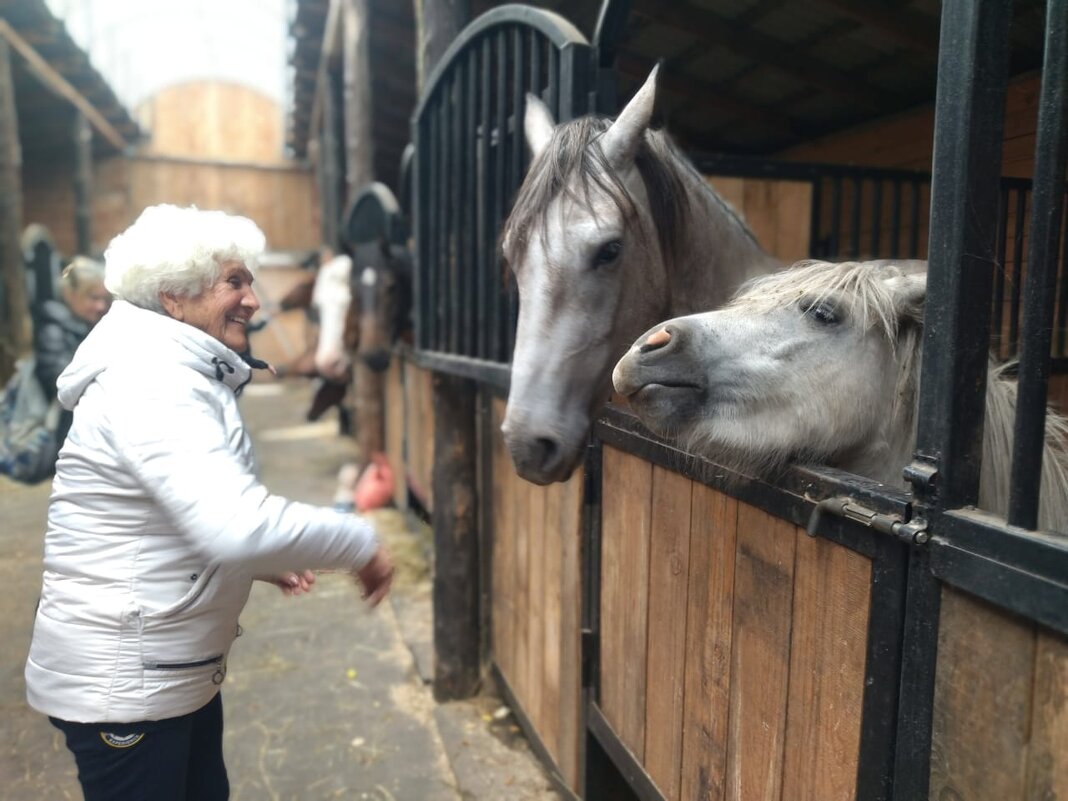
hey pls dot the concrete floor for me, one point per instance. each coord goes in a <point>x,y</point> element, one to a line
<point>324,699</point>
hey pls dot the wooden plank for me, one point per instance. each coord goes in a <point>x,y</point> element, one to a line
<point>571,587</point>
<point>982,705</point>
<point>395,427</point>
<point>1047,756</point>
<point>669,561</point>
<point>14,317</point>
<point>538,542</point>
<point>503,605</point>
<point>760,655</point>
<point>713,534</point>
<point>457,633</point>
<point>553,537</point>
<point>627,482</point>
<point>828,653</point>
<point>521,582</point>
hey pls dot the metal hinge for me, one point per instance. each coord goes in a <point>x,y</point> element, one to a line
<point>914,531</point>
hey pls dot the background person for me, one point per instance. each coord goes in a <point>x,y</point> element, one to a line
<point>157,523</point>
<point>59,326</point>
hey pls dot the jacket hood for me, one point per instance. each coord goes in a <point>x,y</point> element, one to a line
<point>128,333</point>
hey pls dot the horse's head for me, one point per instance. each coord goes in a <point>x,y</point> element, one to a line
<point>817,362</point>
<point>382,287</point>
<point>332,298</point>
<point>583,246</point>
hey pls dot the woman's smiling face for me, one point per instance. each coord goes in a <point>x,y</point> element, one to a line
<point>223,309</point>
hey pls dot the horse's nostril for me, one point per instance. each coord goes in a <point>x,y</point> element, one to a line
<point>547,450</point>
<point>656,340</point>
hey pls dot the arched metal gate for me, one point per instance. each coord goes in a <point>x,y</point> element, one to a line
<point>865,661</point>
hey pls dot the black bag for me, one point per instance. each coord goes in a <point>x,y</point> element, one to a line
<point>28,423</point>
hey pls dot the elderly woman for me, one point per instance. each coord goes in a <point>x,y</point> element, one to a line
<point>60,326</point>
<point>157,523</point>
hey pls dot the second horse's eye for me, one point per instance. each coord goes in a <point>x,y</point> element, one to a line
<point>823,312</point>
<point>608,253</point>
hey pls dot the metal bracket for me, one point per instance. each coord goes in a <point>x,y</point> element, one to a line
<point>913,532</point>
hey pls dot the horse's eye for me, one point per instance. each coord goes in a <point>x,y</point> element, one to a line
<point>824,313</point>
<point>608,253</point>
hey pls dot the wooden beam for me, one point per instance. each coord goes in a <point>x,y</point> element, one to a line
<point>357,106</point>
<point>14,315</point>
<point>330,40</point>
<point>58,84</point>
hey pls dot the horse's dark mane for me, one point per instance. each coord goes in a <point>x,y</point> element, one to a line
<point>575,150</point>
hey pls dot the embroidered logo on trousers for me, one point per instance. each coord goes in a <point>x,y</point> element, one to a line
<point>121,740</point>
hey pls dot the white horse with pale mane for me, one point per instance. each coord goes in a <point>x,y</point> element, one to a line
<point>819,364</point>
<point>612,230</point>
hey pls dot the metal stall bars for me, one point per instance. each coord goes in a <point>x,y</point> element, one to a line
<point>470,159</point>
<point>985,650</point>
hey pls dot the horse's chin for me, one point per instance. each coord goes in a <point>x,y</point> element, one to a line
<point>666,409</point>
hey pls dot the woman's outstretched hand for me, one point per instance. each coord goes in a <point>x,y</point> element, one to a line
<point>293,583</point>
<point>376,576</point>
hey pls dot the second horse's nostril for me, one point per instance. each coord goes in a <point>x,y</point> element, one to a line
<point>656,340</point>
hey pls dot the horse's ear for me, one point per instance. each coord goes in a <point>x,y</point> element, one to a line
<point>620,141</point>
<point>538,125</point>
<point>910,292</point>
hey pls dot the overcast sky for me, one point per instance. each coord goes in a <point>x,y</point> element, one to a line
<point>142,46</point>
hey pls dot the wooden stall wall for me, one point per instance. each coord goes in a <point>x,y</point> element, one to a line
<point>1001,705</point>
<point>733,645</point>
<point>537,602</point>
<point>419,408</point>
<point>779,213</point>
<point>395,417</point>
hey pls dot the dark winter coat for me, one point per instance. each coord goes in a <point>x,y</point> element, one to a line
<point>57,333</point>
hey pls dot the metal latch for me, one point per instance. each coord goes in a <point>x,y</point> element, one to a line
<point>913,532</point>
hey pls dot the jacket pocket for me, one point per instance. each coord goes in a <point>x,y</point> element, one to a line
<point>176,668</point>
<point>187,600</point>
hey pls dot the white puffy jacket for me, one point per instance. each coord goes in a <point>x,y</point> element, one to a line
<point>157,524</point>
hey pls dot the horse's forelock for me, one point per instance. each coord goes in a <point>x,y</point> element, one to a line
<point>575,152</point>
<point>873,302</point>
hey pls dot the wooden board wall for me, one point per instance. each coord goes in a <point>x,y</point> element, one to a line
<point>280,200</point>
<point>777,212</point>
<point>419,408</point>
<point>537,600</point>
<point>214,120</point>
<point>1001,706</point>
<point>733,645</point>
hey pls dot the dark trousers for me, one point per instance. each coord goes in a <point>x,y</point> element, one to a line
<point>177,759</point>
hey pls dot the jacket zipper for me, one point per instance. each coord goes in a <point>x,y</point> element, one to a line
<point>182,665</point>
<point>216,678</point>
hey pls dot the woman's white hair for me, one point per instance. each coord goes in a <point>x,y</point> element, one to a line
<point>177,251</point>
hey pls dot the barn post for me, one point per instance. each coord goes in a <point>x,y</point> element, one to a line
<point>328,169</point>
<point>356,71</point>
<point>13,311</point>
<point>457,636</point>
<point>83,175</point>
<point>368,385</point>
